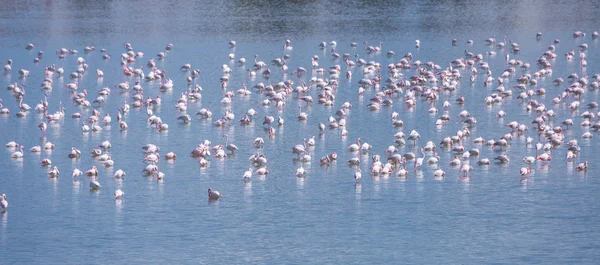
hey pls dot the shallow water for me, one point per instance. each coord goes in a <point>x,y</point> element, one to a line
<point>325,217</point>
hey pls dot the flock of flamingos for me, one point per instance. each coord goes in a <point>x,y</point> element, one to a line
<point>408,80</point>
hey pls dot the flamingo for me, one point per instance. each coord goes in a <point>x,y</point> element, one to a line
<point>107,119</point>
<point>439,173</point>
<point>213,194</point>
<point>302,116</point>
<point>105,145</point>
<point>354,147</point>
<point>582,166</point>
<point>75,153</point>
<point>76,173</point>
<point>465,169</point>
<point>434,159</point>
<point>54,172</point>
<point>544,157</point>
<point>402,172</point>
<point>119,174</point>
<point>301,172</point>
<point>262,171</point>
<point>528,159</point>
<point>46,162</point>
<point>36,149</point>
<point>248,174</point>
<point>258,142</point>
<point>92,171</point>
<point>95,185</point>
<point>268,120</point>
<point>358,175</point>
<point>230,147</point>
<point>483,162</point>
<point>300,148</point>
<point>502,159</point>
<point>419,160</point>
<point>3,202</point>
<point>119,194</point>
<point>18,154</point>
<point>414,136</point>
<point>365,147</point>
<point>170,156</point>
<point>152,158</point>
<point>43,126</point>
<point>455,162</point>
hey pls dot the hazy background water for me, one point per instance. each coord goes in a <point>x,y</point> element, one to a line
<point>325,217</point>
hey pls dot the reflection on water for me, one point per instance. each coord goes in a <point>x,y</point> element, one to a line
<point>119,203</point>
<point>248,188</point>
<point>300,182</point>
<point>4,224</point>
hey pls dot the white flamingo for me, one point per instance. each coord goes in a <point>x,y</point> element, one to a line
<point>119,194</point>
<point>77,172</point>
<point>213,194</point>
<point>94,184</point>
<point>248,174</point>
<point>3,202</point>
<point>357,175</point>
<point>419,160</point>
<point>18,154</point>
<point>354,147</point>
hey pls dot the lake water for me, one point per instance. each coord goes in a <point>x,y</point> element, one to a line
<point>324,217</point>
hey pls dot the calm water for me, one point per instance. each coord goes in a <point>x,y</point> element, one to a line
<point>324,217</point>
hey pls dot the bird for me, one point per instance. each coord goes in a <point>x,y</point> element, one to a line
<point>213,194</point>
<point>3,202</point>
<point>76,172</point>
<point>49,145</point>
<point>455,162</point>
<point>414,136</point>
<point>185,118</point>
<point>18,154</point>
<point>582,166</point>
<point>419,160</point>
<point>248,174</point>
<point>94,184</point>
<point>107,119</point>
<point>46,162</point>
<point>502,159</point>
<point>483,161</point>
<point>119,174</point>
<point>262,171</point>
<point>402,172</point>
<point>357,175</point>
<point>528,159</point>
<point>354,147</point>
<point>439,173</point>
<point>544,157</point>
<point>301,172</point>
<point>92,171</point>
<point>466,168</point>
<point>170,156</point>
<point>231,147</point>
<point>105,145</point>
<point>75,153</point>
<point>119,194</point>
